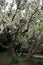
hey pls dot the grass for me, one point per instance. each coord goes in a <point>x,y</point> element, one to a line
<point>3,55</point>
<point>5,59</point>
<point>37,61</point>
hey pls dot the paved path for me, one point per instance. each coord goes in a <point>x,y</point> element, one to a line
<point>38,56</point>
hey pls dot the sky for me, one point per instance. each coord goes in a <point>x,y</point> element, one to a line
<point>10,1</point>
<point>15,6</point>
<point>14,0</point>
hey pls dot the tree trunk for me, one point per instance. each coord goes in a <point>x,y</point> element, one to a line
<point>13,53</point>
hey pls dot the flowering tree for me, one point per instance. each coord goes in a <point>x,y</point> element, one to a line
<point>18,27</point>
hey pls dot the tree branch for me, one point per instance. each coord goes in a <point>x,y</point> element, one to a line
<point>29,21</point>
<point>4,46</point>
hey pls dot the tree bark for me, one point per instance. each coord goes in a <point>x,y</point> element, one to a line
<point>13,53</point>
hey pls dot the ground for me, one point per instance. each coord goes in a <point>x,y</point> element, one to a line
<point>6,59</point>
